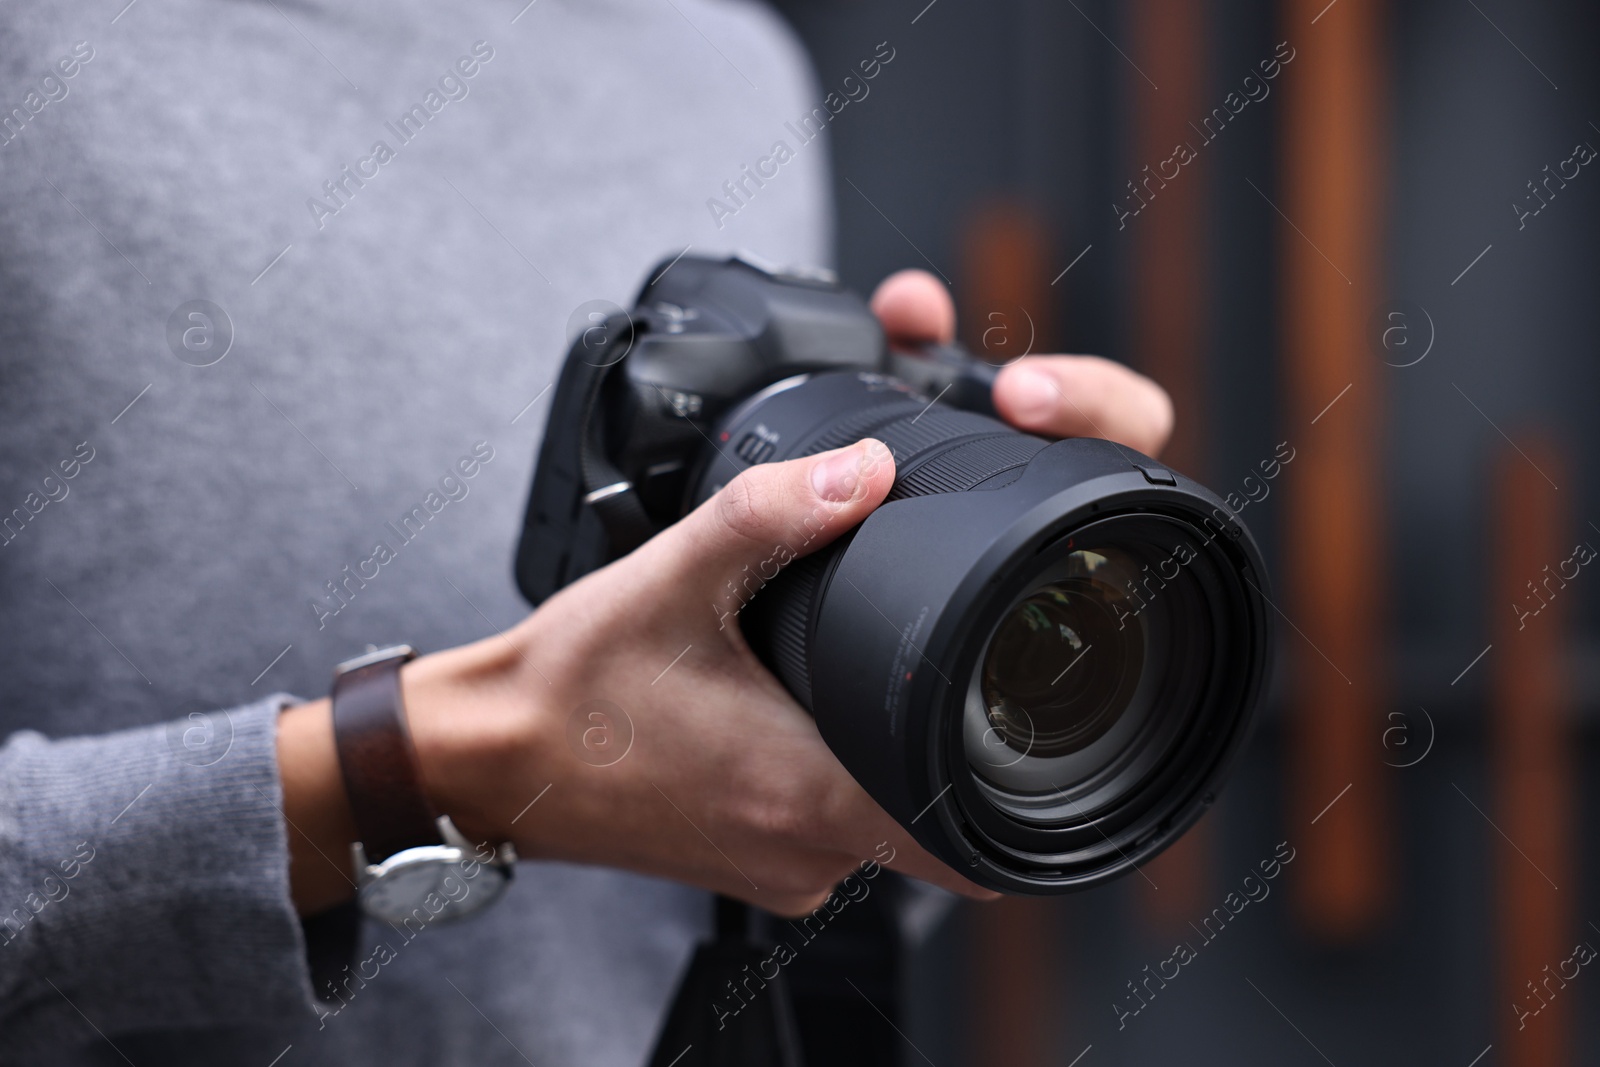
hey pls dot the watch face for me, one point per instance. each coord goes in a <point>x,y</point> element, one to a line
<point>422,886</point>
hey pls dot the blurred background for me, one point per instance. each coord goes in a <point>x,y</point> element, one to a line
<point>1377,255</point>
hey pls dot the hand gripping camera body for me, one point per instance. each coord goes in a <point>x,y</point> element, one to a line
<point>1039,657</point>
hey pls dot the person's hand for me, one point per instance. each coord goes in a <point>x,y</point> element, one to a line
<point>725,784</point>
<point>1056,396</point>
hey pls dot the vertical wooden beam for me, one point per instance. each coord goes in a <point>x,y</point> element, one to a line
<point>1167,325</point>
<point>1331,241</point>
<point>1016,998</point>
<point>1006,304</point>
<point>1018,1008</point>
<point>1536,924</point>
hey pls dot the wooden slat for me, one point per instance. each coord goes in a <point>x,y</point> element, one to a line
<point>1015,992</point>
<point>1167,326</point>
<point>1007,307</point>
<point>1331,241</point>
<point>1017,1009</point>
<point>1536,924</point>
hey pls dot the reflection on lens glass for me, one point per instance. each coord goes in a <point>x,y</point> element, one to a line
<point>1064,663</point>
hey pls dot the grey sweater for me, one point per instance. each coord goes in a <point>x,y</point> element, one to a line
<point>396,206</point>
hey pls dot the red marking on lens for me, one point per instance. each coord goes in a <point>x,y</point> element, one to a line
<point>908,676</point>
<point>724,435</point>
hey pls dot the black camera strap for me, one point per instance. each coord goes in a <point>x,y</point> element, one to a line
<point>613,498</point>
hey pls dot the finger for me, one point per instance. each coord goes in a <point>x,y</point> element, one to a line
<point>912,859</point>
<point>876,835</point>
<point>1085,396</point>
<point>915,308</point>
<point>773,513</point>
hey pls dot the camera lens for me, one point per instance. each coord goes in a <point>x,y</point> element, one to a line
<point>1039,657</point>
<point>1033,700</point>
<point>1081,674</point>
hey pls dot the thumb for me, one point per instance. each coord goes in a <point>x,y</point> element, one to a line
<point>773,513</point>
<point>915,308</point>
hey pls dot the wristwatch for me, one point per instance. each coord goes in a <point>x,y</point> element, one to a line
<point>411,864</point>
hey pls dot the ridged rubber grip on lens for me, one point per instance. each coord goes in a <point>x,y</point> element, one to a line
<point>960,468</point>
<point>776,623</point>
<point>856,425</point>
<point>908,429</point>
<point>936,450</point>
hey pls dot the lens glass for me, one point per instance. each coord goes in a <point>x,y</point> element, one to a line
<point>1034,696</point>
<point>1076,675</point>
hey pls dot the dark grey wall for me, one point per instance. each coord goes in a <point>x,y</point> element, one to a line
<point>1025,98</point>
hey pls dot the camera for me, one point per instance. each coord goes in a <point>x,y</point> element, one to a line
<point>1040,657</point>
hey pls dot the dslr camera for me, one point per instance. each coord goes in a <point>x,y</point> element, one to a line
<point>1040,657</point>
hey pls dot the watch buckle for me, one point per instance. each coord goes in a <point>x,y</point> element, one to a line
<point>358,859</point>
<point>505,852</point>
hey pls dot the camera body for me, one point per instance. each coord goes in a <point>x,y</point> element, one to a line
<point>642,390</point>
<point>1039,657</point>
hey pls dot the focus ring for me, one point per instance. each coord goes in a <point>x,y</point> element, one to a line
<point>960,468</point>
<point>971,448</point>
<point>936,450</point>
<point>778,622</point>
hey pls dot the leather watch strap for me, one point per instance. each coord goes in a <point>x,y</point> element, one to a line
<point>376,756</point>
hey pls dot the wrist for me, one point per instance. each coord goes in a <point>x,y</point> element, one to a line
<point>317,813</point>
<point>476,726</point>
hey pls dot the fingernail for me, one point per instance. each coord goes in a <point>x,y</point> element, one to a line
<point>835,478</point>
<point>1034,394</point>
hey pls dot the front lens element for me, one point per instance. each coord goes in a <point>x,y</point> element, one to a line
<point>1042,693</point>
<point>1090,672</point>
